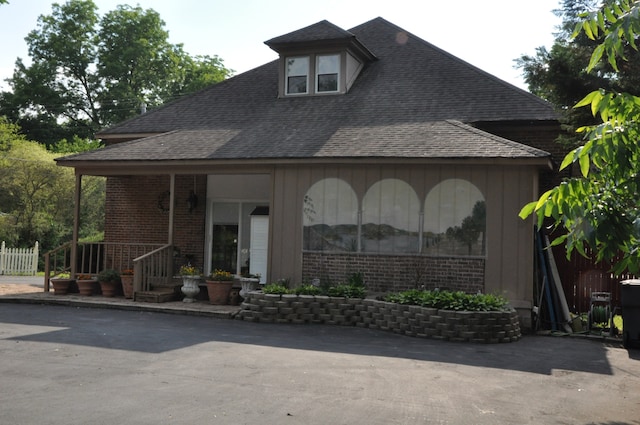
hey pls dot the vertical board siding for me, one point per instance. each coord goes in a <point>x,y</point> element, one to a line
<point>508,266</point>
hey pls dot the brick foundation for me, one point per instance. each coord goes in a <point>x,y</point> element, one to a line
<point>395,273</point>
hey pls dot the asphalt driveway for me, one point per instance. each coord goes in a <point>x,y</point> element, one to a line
<point>65,365</point>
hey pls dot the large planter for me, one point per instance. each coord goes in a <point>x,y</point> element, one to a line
<point>127,285</point>
<point>86,287</point>
<point>190,288</point>
<point>109,288</point>
<point>219,291</point>
<point>248,284</point>
<point>61,285</point>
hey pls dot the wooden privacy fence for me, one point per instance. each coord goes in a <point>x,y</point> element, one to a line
<point>18,261</point>
<point>582,276</point>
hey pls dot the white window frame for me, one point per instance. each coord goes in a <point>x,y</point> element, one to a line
<point>286,76</point>
<point>337,73</point>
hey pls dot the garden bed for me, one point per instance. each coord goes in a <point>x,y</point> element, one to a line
<point>411,320</point>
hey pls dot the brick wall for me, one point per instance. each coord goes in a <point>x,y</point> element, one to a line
<point>397,272</point>
<point>136,211</point>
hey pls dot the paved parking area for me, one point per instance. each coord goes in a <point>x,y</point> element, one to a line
<point>63,364</point>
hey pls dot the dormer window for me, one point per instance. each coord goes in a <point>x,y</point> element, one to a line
<point>328,73</point>
<point>297,75</point>
<point>321,59</point>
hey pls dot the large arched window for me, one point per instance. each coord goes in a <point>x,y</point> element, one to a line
<point>454,219</point>
<point>330,217</point>
<point>390,218</point>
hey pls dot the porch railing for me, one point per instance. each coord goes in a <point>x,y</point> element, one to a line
<point>93,258</point>
<point>153,268</point>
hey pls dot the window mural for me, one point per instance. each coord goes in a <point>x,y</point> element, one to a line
<point>330,217</point>
<point>390,218</point>
<point>454,219</point>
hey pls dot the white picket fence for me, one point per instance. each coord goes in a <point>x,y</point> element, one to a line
<point>18,261</point>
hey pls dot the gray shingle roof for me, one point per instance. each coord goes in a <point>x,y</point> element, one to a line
<point>434,139</point>
<point>320,31</point>
<point>400,106</point>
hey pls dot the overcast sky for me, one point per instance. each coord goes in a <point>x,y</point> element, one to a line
<point>489,34</point>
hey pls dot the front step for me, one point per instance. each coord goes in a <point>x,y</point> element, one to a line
<point>155,296</point>
<point>160,293</point>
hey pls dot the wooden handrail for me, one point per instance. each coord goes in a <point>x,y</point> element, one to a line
<point>94,257</point>
<point>51,266</point>
<point>155,267</point>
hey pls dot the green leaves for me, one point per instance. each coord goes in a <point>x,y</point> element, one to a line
<point>88,72</point>
<point>449,300</point>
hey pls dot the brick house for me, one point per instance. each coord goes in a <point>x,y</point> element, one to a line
<point>368,150</point>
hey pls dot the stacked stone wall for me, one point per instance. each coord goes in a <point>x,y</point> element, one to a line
<point>417,321</point>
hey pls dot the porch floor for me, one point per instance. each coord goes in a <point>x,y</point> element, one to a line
<point>198,308</point>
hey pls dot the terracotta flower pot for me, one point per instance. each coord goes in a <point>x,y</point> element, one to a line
<point>61,285</point>
<point>109,288</point>
<point>86,287</point>
<point>127,285</point>
<point>219,291</point>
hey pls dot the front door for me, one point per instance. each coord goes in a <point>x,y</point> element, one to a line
<point>231,237</point>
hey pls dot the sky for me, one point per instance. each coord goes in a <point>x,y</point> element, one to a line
<point>489,34</point>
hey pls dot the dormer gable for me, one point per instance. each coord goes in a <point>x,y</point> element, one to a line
<point>321,59</point>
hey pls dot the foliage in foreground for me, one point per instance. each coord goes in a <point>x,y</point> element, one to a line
<point>599,211</point>
<point>37,197</point>
<point>448,300</point>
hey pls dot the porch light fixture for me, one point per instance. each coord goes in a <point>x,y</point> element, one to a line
<point>192,201</point>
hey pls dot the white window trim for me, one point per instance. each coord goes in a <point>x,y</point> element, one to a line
<point>317,74</point>
<point>286,75</point>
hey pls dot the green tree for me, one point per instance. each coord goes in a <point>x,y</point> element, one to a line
<point>36,196</point>
<point>559,75</point>
<point>88,72</point>
<point>600,209</point>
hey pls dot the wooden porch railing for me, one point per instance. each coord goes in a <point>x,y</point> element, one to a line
<point>152,268</point>
<point>93,258</point>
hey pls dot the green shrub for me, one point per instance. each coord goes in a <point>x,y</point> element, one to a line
<point>307,290</point>
<point>448,300</point>
<point>340,290</point>
<point>346,290</point>
<point>275,288</point>
<point>109,275</point>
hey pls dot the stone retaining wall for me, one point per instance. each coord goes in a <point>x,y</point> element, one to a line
<point>481,327</point>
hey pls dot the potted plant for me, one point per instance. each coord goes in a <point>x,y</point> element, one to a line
<point>86,284</point>
<point>61,283</point>
<point>219,286</point>
<point>109,280</point>
<point>126,277</point>
<point>190,279</point>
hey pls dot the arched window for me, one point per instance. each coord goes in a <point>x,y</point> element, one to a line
<point>390,218</point>
<point>330,217</point>
<point>454,219</point>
